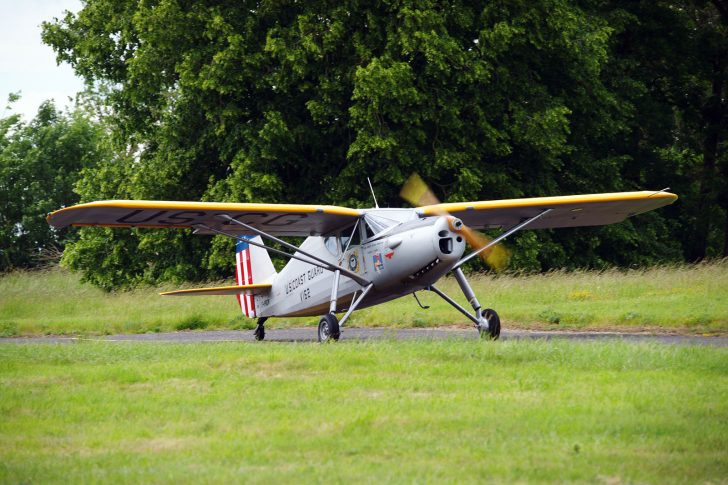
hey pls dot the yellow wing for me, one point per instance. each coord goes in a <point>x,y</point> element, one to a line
<point>276,219</point>
<point>567,211</point>
<point>255,289</point>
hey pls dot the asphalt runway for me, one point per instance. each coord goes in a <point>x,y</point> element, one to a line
<point>359,334</point>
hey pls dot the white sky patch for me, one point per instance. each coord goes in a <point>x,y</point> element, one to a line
<point>26,64</point>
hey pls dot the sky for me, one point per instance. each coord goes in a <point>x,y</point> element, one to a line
<point>26,64</point>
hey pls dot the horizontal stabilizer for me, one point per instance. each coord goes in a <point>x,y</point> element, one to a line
<point>255,289</point>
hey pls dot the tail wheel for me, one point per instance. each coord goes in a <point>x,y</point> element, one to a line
<point>328,328</point>
<point>492,330</point>
<point>260,329</point>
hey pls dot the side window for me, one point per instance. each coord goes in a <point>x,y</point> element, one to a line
<point>345,236</point>
<point>332,245</point>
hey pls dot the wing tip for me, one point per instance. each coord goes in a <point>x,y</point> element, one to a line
<point>664,198</point>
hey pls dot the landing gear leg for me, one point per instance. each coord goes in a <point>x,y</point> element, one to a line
<point>328,328</point>
<point>486,321</point>
<point>260,329</point>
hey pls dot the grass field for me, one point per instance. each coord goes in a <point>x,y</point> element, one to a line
<point>686,299</point>
<point>378,412</point>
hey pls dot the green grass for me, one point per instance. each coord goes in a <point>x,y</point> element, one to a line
<point>377,412</point>
<point>687,299</point>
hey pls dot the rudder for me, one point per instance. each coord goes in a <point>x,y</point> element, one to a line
<point>252,265</point>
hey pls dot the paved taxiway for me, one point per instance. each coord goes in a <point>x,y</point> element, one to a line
<point>353,334</point>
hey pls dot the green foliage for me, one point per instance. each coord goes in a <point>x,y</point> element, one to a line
<point>550,316</point>
<point>192,322</point>
<point>298,102</point>
<point>669,68</point>
<point>40,162</point>
<point>8,329</point>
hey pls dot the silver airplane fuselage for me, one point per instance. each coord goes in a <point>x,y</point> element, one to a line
<point>408,254</point>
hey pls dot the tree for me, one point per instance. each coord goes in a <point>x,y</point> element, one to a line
<point>299,101</point>
<point>671,59</point>
<point>40,162</point>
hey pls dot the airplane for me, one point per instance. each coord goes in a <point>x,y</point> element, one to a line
<point>356,258</point>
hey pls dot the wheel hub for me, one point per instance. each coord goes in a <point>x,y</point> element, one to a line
<point>328,328</point>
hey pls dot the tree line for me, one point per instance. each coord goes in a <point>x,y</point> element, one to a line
<point>252,101</point>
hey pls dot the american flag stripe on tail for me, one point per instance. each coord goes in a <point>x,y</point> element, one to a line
<point>244,276</point>
<point>249,281</point>
<point>239,278</point>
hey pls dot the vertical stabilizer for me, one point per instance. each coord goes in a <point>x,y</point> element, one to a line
<point>252,265</point>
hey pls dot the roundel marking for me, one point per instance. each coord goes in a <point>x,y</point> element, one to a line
<point>353,262</point>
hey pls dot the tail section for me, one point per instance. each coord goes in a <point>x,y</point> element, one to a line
<point>253,265</point>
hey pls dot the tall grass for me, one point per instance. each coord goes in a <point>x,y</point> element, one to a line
<point>55,302</point>
<point>686,298</point>
<point>689,298</point>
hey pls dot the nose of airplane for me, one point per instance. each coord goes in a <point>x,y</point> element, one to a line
<point>449,244</point>
<point>455,224</point>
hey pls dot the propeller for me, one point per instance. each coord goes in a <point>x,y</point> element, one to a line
<point>418,193</point>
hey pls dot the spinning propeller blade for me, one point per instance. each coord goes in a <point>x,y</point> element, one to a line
<point>418,193</point>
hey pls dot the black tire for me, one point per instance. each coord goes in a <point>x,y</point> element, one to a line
<point>494,326</point>
<point>328,328</point>
<point>259,332</point>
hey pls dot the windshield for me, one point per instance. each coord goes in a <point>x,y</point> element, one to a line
<point>332,245</point>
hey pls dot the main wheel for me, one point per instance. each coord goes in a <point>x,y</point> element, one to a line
<point>259,332</point>
<point>328,328</point>
<point>492,331</point>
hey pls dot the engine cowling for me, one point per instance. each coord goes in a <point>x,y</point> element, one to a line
<point>417,254</point>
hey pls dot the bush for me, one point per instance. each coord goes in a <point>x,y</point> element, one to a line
<point>8,329</point>
<point>194,322</point>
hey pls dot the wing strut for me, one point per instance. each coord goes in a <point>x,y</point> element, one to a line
<point>495,241</point>
<point>321,263</point>
<point>452,302</point>
<point>354,304</point>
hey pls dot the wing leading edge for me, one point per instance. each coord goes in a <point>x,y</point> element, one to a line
<point>276,219</point>
<point>567,211</point>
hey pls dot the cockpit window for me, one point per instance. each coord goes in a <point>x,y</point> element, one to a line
<point>370,233</point>
<point>346,234</point>
<point>376,224</point>
<point>332,245</point>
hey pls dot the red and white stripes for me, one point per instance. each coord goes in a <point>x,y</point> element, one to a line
<point>244,276</point>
